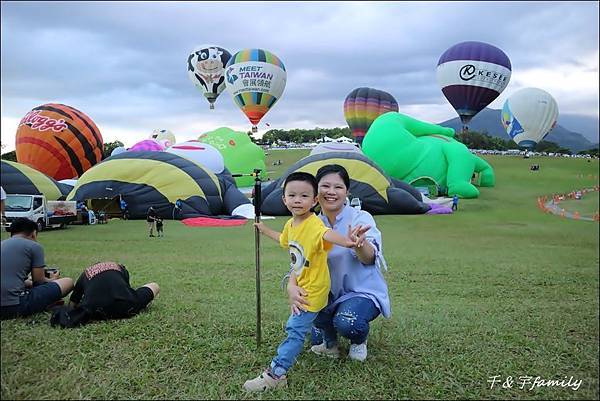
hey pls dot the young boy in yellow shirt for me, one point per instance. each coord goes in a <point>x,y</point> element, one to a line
<point>308,241</point>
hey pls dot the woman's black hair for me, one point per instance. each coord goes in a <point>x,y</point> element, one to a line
<point>334,169</point>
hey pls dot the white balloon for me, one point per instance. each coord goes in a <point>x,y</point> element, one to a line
<point>528,116</point>
<point>117,150</point>
<point>164,136</point>
<point>200,153</point>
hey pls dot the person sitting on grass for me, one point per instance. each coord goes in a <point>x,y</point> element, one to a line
<point>308,241</point>
<point>103,292</point>
<point>22,255</point>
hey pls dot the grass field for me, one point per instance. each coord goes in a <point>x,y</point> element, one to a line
<point>497,289</point>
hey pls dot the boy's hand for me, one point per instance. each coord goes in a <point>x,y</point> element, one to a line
<point>260,226</point>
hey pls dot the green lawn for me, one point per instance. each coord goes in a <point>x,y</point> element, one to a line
<point>498,288</point>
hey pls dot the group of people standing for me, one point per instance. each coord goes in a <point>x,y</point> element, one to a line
<point>154,221</point>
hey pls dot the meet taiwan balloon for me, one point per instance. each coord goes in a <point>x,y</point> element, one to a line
<point>528,116</point>
<point>256,79</point>
<point>58,140</point>
<point>471,75</point>
<point>362,106</point>
<point>206,65</point>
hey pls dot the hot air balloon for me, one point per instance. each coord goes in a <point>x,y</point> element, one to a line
<point>256,79</point>
<point>472,75</point>
<point>147,145</point>
<point>164,136</point>
<point>362,106</point>
<point>205,66</point>
<point>528,116</point>
<point>58,140</point>
<point>200,153</point>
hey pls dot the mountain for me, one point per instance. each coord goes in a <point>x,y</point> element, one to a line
<point>488,121</point>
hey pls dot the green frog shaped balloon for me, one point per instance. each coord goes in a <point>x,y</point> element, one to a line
<point>419,152</point>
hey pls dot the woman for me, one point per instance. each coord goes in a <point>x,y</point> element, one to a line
<point>359,292</point>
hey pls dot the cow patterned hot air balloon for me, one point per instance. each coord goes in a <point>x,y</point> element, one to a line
<point>471,75</point>
<point>206,67</point>
<point>58,140</point>
<point>363,106</point>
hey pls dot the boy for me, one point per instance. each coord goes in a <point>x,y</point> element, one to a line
<point>159,227</point>
<point>308,241</point>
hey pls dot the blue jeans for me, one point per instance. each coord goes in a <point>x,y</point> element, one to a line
<point>350,319</point>
<point>297,327</point>
<point>34,300</point>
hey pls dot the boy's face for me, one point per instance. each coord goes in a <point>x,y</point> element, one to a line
<point>299,197</point>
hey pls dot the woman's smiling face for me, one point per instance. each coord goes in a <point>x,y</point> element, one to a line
<point>332,193</point>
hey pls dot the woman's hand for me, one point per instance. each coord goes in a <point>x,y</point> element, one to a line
<point>297,298</point>
<point>358,234</point>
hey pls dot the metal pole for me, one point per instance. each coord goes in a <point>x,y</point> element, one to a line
<point>257,202</point>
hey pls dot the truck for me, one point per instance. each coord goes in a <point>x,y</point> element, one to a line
<point>44,213</point>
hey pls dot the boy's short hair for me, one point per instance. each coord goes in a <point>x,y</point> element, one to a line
<point>301,176</point>
<point>22,225</point>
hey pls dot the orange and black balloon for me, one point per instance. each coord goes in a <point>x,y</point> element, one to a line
<point>58,140</point>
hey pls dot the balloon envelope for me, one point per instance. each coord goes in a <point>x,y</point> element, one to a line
<point>147,145</point>
<point>206,65</point>
<point>363,105</point>
<point>117,150</point>
<point>58,140</point>
<point>164,136</point>
<point>256,79</point>
<point>528,116</point>
<point>471,75</point>
<point>200,153</point>
<point>240,154</point>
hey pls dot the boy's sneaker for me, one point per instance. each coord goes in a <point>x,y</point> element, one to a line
<point>358,352</point>
<point>265,382</point>
<point>321,349</point>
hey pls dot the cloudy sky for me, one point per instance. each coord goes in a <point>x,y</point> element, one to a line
<point>124,63</point>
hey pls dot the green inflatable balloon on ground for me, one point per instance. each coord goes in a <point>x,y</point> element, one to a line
<point>240,154</point>
<point>421,153</point>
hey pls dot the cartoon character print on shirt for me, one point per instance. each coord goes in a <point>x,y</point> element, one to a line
<point>298,260</point>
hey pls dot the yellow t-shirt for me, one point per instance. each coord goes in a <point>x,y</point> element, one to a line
<point>308,252</point>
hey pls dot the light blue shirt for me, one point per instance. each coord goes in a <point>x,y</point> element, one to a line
<point>349,277</point>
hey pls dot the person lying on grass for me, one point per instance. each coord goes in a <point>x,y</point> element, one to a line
<point>308,241</point>
<point>103,292</point>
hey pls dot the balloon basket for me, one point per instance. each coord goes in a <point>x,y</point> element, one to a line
<point>254,129</point>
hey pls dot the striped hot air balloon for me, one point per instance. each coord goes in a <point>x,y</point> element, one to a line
<point>58,140</point>
<point>162,180</point>
<point>363,105</point>
<point>471,75</point>
<point>21,179</point>
<point>256,79</point>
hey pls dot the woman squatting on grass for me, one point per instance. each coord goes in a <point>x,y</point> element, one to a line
<point>308,241</point>
<point>359,292</point>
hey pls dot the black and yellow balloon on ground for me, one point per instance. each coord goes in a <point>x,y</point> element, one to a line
<point>378,193</point>
<point>162,180</point>
<point>18,178</point>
